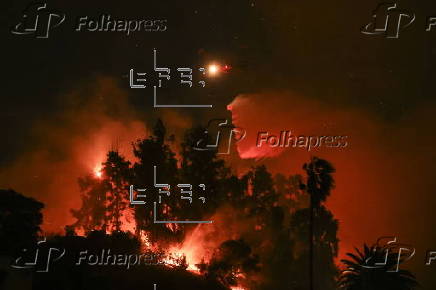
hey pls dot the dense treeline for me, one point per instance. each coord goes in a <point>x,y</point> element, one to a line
<point>282,234</point>
<point>273,252</point>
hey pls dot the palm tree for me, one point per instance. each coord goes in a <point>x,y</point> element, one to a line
<point>364,271</point>
<point>320,180</point>
<point>319,184</point>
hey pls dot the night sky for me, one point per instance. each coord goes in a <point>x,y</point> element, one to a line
<point>296,65</point>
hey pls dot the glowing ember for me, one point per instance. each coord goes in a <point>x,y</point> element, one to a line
<point>145,239</point>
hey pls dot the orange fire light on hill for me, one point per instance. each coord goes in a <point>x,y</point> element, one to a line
<point>177,253</point>
<point>97,171</point>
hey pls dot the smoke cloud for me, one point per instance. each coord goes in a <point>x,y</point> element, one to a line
<point>384,176</point>
<point>96,118</point>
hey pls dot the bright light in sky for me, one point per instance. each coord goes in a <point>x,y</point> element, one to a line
<point>213,69</point>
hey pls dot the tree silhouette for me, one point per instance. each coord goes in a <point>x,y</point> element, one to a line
<point>262,189</point>
<point>232,259</point>
<point>20,220</point>
<point>261,197</point>
<point>290,192</point>
<point>319,225</point>
<point>362,272</point>
<point>92,213</point>
<point>319,180</point>
<point>202,167</point>
<point>150,152</point>
<point>276,211</point>
<point>103,199</point>
<point>117,178</point>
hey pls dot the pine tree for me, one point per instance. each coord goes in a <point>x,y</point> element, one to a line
<point>150,152</point>
<point>117,178</point>
<point>92,213</point>
<point>202,167</point>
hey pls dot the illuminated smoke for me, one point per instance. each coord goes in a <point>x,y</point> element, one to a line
<point>73,144</point>
<point>378,175</point>
<point>200,244</point>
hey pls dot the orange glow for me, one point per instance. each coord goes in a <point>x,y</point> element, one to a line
<point>145,239</point>
<point>196,248</point>
<point>97,172</point>
<point>128,223</point>
<point>176,253</point>
<point>213,69</point>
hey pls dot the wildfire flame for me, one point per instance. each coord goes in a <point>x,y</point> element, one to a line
<point>97,172</point>
<point>177,253</point>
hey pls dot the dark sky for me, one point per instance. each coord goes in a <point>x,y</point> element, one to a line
<point>312,49</point>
